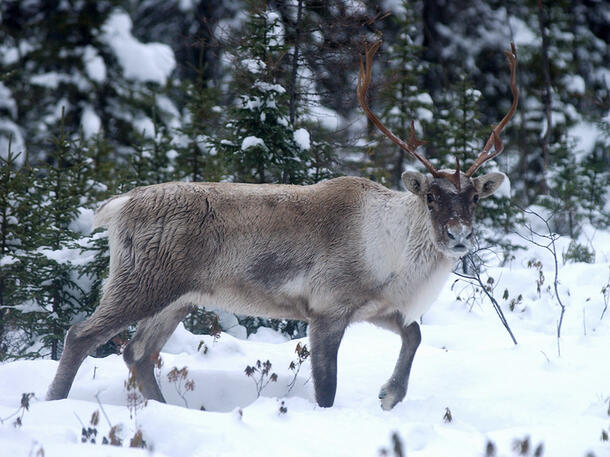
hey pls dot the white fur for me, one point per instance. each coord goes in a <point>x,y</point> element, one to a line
<point>401,254</point>
<point>109,210</point>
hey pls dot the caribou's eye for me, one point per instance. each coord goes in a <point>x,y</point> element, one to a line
<point>429,198</point>
<point>475,199</point>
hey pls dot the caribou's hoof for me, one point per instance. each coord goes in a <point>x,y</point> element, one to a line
<point>390,395</point>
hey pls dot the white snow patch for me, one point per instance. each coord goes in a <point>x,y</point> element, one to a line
<point>185,5</point>
<point>254,65</point>
<point>50,80</point>
<point>11,135</point>
<point>276,32</point>
<point>574,84</point>
<point>301,137</point>
<point>145,126</point>
<point>7,101</point>
<point>326,117</point>
<point>252,141</point>
<point>268,87</point>
<point>83,222</point>
<point>522,33</point>
<point>8,260</point>
<point>94,65</point>
<point>586,134</point>
<point>90,122</point>
<point>146,62</point>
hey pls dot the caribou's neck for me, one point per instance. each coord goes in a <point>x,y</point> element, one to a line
<point>397,235</point>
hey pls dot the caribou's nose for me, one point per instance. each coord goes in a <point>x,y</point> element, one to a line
<point>460,236</point>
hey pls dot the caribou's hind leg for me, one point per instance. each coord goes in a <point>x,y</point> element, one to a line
<point>126,299</point>
<point>83,337</point>
<point>142,350</point>
<point>395,389</point>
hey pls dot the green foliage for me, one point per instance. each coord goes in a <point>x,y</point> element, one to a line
<point>578,253</point>
<point>196,155</point>
<point>403,98</point>
<point>239,116</point>
<point>260,145</point>
<point>57,267</point>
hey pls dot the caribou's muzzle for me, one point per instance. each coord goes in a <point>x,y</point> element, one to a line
<point>459,238</point>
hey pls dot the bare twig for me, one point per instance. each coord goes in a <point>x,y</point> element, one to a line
<point>488,291</point>
<point>97,397</point>
<point>550,246</point>
<point>606,295</point>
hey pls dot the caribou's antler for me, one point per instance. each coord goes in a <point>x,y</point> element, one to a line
<point>494,138</point>
<point>364,79</point>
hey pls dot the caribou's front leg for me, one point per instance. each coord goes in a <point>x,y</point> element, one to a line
<point>393,391</point>
<point>325,334</point>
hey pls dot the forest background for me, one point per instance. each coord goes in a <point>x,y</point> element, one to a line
<point>97,97</point>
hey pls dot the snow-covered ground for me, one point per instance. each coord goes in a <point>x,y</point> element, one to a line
<point>494,390</point>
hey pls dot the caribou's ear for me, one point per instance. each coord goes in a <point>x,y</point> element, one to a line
<point>415,182</point>
<point>488,184</point>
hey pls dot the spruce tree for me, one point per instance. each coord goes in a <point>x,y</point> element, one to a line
<point>54,279</point>
<point>15,235</point>
<point>260,144</point>
<point>403,95</point>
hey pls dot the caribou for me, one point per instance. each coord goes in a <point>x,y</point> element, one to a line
<point>333,253</point>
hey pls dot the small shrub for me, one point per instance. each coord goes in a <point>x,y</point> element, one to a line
<point>537,265</point>
<point>24,406</point>
<point>283,409</point>
<point>524,447</point>
<point>137,441</point>
<point>179,378</point>
<point>135,399</point>
<point>447,417</point>
<point>397,448</point>
<point>302,355</point>
<point>261,374</point>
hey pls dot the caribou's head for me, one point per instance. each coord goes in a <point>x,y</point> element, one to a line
<point>451,196</point>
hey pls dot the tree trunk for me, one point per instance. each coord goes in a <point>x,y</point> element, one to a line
<point>547,94</point>
<point>295,64</point>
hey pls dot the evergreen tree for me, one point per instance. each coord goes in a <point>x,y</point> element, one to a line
<point>260,145</point>
<point>56,279</point>
<point>14,237</point>
<point>403,95</point>
<point>197,157</point>
<point>79,59</point>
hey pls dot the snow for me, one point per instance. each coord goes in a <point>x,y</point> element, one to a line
<point>145,126</point>
<point>254,65</point>
<point>7,101</point>
<point>495,391</point>
<point>574,84</point>
<point>586,135</point>
<point>15,139</point>
<point>252,141</point>
<point>301,137</point>
<point>267,87</point>
<point>94,65</point>
<point>50,80</point>
<point>145,62</point>
<point>327,118</point>
<point>276,30</point>
<point>90,122</point>
<point>83,222</point>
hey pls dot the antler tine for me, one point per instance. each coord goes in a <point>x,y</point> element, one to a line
<point>364,79</point>
<point>494,138</point>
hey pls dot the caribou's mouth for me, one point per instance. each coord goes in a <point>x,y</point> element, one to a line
<point>459,250</point>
